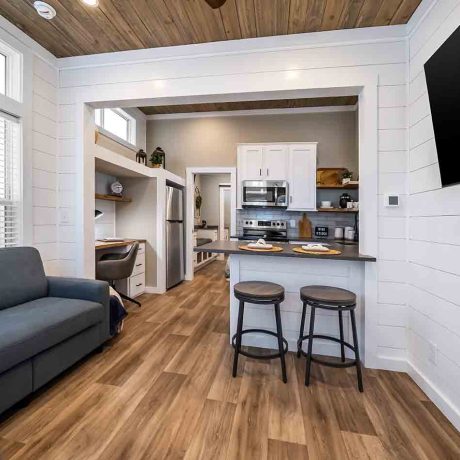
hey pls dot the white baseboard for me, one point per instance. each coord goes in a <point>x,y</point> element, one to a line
<point>438,398</point>
<point>154,290</point>
<point>391,364</point>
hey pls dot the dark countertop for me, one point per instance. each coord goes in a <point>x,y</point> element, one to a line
<point>231,247</point>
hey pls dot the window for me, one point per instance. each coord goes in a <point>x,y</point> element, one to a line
<point>2,74</point>
<point>10,181</point>
<point>10,72</point>
<point>117,122</point>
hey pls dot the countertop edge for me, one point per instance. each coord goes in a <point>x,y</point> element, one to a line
<point>287,253</point>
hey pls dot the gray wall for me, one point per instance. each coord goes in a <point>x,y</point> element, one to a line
<point>211,199</point>
<point>212,141</point>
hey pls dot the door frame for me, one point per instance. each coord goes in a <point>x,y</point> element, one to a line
<point>190,208</point>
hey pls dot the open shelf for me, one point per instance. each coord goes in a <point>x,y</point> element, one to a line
<point>339,187</point>
<point>120,199</point>
<point>350,211</point>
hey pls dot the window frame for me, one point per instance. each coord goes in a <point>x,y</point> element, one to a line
<point>130,141</point>
<point>14,109</point>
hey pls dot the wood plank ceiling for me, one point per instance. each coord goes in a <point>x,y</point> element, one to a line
<point>118,25</point>
<point>251,105</point>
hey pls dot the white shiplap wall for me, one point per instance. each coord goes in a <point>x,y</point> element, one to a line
<point>187,71</point>
<point>434,233</point>
<point>44,162</point>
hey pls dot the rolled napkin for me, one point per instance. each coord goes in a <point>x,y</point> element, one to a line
<point>260,244</point>
<point>315,247</point>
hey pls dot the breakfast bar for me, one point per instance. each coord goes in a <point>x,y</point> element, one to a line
<point>294,270</point>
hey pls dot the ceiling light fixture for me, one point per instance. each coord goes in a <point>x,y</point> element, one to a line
<point>44,10</point>
<point>92,3</point>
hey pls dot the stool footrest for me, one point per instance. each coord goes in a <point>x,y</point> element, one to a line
<point>323,362</point>
<point>260,331</point>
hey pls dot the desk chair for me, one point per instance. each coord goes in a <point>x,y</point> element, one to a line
<point>114,267</point>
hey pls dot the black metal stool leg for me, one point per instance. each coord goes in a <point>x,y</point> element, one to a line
<point>342,346</point>
<point>125,297</point>
<point>356,345</point>
<point>302,327</point>
<point>310,346</point>
<point>239,328</point>
<point>279,331</point>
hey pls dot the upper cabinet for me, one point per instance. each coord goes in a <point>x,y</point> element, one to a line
<point>262,162</point>
<point>302,177</point>
<point>291,162</point>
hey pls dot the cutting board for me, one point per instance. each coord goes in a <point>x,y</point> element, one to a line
<point>305,226</point>
<point>329,176</point>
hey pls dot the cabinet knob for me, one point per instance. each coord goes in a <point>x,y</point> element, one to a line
<point>268,172</point>
<point>260,172</point>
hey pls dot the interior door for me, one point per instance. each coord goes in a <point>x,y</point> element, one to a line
<point>302,177</point>
<point>275,165</point>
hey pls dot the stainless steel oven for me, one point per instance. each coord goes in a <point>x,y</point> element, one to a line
<point>267,193</point>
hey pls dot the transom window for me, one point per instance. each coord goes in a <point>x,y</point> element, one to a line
<point>118,123</point>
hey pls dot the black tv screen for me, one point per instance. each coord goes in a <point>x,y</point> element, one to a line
<point>442,72</point>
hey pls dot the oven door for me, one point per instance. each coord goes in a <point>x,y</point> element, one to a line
<point>264,194</point>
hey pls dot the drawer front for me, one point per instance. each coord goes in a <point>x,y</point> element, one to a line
<point>139,265</point>
<point>137,285</point>
<point>141,248</point>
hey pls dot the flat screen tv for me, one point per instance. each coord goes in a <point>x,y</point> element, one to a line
<point>442,72</point>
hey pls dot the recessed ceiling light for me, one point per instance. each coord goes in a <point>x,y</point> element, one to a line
<point>90,2</point>
<point>44,10</point>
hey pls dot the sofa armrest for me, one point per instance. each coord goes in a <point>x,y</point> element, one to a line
<point>83,289</point>
<point>78,288</point>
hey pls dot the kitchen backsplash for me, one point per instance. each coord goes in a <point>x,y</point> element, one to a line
<point>330,220</point>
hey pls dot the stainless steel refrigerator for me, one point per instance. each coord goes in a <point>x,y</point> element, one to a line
<point>175,254</point>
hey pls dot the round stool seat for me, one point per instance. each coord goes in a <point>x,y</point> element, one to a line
<point>259,290</point>
<point>328,295</point>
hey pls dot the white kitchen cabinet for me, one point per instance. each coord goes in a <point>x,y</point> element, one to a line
<point>275,162</point>
<point>263,162</point>
<point>302,177</point>
<point>293,162</point>
<point>250,162</point>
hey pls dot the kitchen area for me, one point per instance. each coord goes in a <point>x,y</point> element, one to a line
<point>297,224</point>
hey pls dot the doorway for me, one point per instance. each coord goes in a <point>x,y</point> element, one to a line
<point>211,212</point>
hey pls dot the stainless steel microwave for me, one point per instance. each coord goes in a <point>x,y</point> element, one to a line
<point>266,193</point>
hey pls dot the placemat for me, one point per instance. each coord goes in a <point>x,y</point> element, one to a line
<point>330,252</point>
<point>245,247</point>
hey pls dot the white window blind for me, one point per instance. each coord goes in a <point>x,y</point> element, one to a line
<point>10,167</point>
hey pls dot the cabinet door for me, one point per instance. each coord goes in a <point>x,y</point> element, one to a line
<point>302,177</point>
<point>250,161</point>
<point>275,164</point>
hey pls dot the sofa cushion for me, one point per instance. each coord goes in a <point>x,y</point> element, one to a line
<point>23,277</point>
<point>28,329</point>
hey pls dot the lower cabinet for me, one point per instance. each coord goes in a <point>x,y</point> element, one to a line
<point>134,286</point>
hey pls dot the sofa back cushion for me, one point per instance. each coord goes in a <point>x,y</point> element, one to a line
<point>22,276</point>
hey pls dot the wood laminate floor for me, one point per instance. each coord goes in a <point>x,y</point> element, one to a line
<point>163,390</point>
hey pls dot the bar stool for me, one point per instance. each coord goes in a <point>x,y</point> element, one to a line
<point>261,293</point>
<point>335,299</point>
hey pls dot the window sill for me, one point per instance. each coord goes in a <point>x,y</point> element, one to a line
<point>117,139</point>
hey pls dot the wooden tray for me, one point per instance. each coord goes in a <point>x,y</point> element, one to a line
<point>331,252</point>
<point>245,247</point>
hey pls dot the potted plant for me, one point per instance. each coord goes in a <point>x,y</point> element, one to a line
<point>346,177</point>
<point>157,158</point>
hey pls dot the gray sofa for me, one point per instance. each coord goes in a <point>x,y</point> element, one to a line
<point>46,323</point>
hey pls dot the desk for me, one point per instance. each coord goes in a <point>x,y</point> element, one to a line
<point>115,244</point>
<point>135,284</point>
